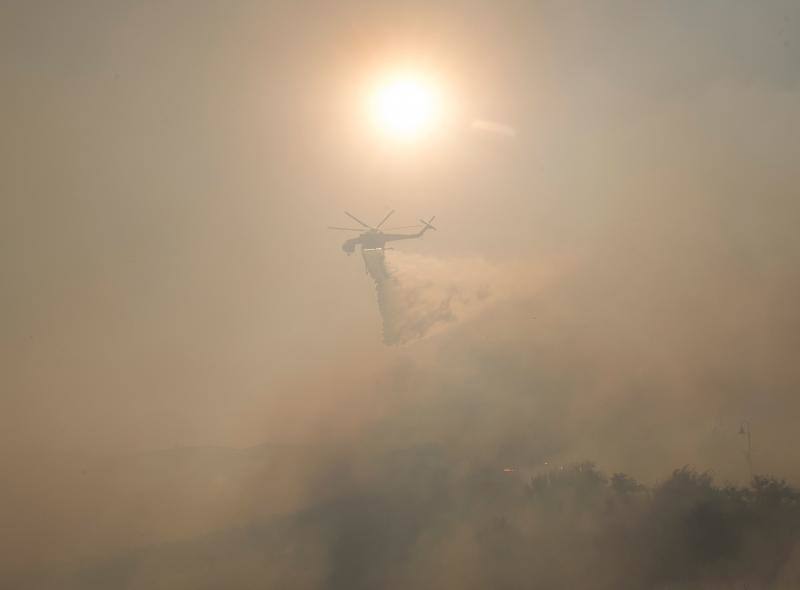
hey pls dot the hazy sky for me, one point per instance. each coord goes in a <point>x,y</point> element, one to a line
<point>624,267</point>
<point>169,169</point>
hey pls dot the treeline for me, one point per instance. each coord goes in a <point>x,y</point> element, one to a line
<point>418,519</point>
<point>579,528</point>
<point>429,525</point>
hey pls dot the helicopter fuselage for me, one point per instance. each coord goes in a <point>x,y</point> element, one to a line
<point>369,240</point>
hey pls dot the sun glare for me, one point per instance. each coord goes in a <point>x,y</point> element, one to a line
<point>406,107</point>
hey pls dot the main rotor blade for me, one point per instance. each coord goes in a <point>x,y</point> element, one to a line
<point>403,227</point>
<point>346,228</point>
<point>354,218</point>
<point>388,215</point>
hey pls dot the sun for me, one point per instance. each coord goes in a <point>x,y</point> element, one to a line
<point>406,107</point>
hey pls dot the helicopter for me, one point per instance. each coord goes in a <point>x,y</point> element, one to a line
<point>374,238</point>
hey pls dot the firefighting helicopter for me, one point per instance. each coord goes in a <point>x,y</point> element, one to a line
<point>374,238</point>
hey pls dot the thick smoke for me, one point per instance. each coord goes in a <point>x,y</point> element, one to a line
<point>450,463</point>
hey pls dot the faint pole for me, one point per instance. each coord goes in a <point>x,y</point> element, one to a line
<point>744,430</point>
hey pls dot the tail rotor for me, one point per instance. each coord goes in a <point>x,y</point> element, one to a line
<point>428,223</point>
